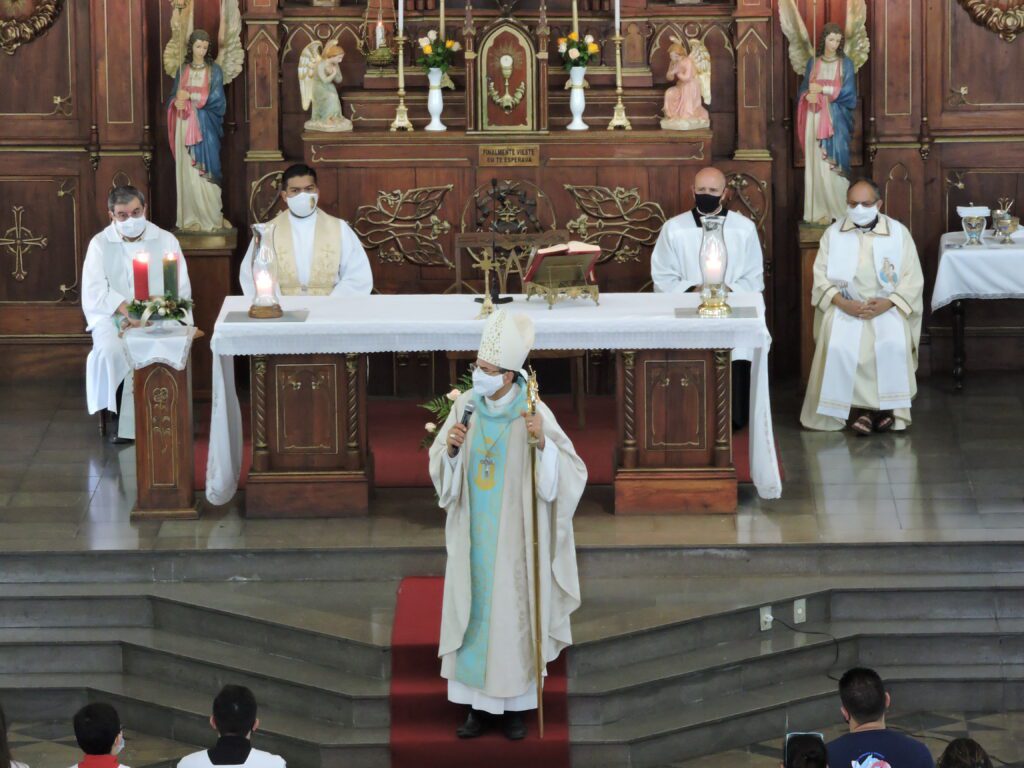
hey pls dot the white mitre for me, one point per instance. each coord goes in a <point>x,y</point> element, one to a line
<point>507,340</point>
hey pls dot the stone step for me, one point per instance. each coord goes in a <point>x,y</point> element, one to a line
<point>708,673</point>
<point>183,714</point>
<point>202,665</point>
<point>693,730</point>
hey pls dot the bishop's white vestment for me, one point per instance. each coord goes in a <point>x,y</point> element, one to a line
<point>487,645</point>
<point>867,364</point>
<point>675,260</point>
<point>107,281</point>
<point>317,255</point>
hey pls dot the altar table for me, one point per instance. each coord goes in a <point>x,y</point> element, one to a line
<point>665,365</point>
<point>989,271</point>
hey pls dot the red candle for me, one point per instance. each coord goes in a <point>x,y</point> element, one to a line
<point>140,269</point>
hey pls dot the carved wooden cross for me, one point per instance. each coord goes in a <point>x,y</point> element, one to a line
<point>18,239</point>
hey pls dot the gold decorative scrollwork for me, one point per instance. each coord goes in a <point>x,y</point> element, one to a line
<point>403,226</point>
<point>618,220</point>
<point>1007,22</point>
<point>263,196</point>
<point>955,180</point>
<point>161,423</point>
<point>15,31</point>
<point>743,186</point>
<point>18,240</point>
<point>958,96</point>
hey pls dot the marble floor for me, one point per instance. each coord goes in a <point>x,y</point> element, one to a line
<point>1000,734</point>
<point>955,476</point>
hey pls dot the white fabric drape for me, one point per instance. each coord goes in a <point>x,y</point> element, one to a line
<point>625,321</point>
<point>990,271</point>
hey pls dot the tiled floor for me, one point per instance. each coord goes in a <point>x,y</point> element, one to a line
<point>52,745</point>
<point>1001,735</point>
<point>957,475</point>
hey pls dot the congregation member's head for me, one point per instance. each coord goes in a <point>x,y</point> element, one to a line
<point>863,202</point>
<point>863,696</point>
<point>804,750</point>
<point>127,208</point>
<point>299,190</point>
<point>504,347</point>
<point>963,753</point>
<point>709,190</point>
<point>98,729</point>
<point>234,712</point>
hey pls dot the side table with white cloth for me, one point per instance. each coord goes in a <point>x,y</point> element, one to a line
<point>989,271</point>
<point>674,446</point>
<point>164,458</point>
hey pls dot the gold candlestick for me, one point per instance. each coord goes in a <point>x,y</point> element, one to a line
<point>401,121</point>
<point>619,119</point>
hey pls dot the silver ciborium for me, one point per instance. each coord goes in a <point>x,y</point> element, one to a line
<point>973,219</point>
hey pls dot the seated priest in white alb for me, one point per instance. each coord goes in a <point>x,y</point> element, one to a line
<point>108,286</point>
<point>317,254</point>
<point>867,297</point>
<point>675,264</point>
<point>483,480</point>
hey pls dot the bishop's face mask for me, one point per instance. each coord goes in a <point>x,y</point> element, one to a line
<point>303,204</point>
<point>485,385</point>
<point>131,227</point>
<point>707,204</point>
<point>862,215</point>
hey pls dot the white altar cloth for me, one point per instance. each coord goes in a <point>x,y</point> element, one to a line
<point>435,322</point>
<point>989,271</point>
<point>169,346</point>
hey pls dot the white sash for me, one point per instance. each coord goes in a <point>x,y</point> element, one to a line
<point>893,373</point>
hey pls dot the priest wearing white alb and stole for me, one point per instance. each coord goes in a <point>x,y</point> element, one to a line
<point>675,263</point>
<point>317,254</point>
<point>482,477</point>
<point>867,296</point>
<point>108,287</point>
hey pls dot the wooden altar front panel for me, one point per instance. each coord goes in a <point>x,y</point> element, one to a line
<point>675,432</point>
<point>164,464</point>
<point>310,455</point>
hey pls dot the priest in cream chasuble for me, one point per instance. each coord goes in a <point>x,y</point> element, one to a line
<point>482,478</point>
<point>868,299</point>
<point>108,287</point>
<point>317,254</point>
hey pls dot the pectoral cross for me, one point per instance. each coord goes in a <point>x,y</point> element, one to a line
<point>18,239</point>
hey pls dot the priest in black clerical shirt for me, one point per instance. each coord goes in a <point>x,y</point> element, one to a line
<point>675,263</point>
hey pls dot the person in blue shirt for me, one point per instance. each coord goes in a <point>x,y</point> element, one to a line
<point>869,744</point>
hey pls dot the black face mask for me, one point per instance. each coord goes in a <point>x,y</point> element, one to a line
<point>708,203</point>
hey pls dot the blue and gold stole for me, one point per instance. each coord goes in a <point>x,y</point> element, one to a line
<point>486,469</point>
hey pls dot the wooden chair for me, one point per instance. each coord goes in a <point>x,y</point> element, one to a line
<point>511,252</point>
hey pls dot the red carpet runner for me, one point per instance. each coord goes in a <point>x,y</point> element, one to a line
<point>398,427</point>
<point>423,721</point>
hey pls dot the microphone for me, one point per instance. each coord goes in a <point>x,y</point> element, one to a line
<point>466,413</point>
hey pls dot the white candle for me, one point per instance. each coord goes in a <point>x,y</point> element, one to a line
<point>713,272</point>
<point>264,286</point>
<point>380,33</point>
<point>401,18</point>
<point>617,15</point>
<point>440,25</point>
<point>575,19</point>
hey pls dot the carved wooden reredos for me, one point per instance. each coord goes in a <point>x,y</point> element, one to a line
<point>939,122</point>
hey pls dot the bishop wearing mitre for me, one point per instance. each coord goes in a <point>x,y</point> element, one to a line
<point>317,254</point>
<point>482,477</point>
<point>675,263</point>
<point>868,300</point>
<point>108,286</point>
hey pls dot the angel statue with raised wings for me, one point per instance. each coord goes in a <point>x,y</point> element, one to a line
<point>690,70</point>
<point>827,98</point>
<point>195,111</point>
<point>319,75</point>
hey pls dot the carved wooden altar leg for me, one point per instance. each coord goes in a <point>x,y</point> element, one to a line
<point>164,467</point>
<point>310,456</point>
<point>675,429</point>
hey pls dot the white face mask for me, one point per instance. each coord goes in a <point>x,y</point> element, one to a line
<point>131,227</point>
<point>486,385</point>
<point>119,745</point>
<point>303,204</point>
<point>862,215</point>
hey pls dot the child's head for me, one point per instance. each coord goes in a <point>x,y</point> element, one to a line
<point>234,711</point>
<point>97,729</point>
<point>805,750</point>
